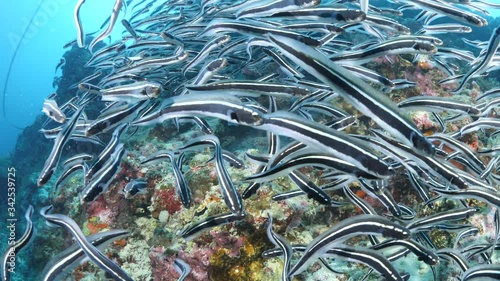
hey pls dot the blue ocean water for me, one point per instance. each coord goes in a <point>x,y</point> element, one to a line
<point>32,72</point>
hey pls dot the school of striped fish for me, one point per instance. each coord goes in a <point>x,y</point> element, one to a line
<point>290,69</point>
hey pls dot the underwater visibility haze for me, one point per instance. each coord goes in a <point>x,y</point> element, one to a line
<point>250,140</point>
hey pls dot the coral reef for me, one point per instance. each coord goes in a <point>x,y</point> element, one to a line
<point>231,251</point>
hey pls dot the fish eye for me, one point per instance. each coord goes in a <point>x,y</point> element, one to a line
<point>152,91</point>
<point>233,116</point>
<point>422,143</point>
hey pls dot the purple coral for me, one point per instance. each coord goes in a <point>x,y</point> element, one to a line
<point>422,121</point>
<point>163,264</point>
<point>424,82</point>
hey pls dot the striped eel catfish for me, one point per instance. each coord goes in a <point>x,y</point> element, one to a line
<point>60,264</point>
<point>231,196</point>
<point>100,181</point>
<point>365,98</point>
<point>357,225</point>
<point>62,138</point>
<point>8,266</point>
<point>90,250</point>
<point>228,108</point>
<point>483,272</point>
<point>317,77</point>
<point>182,268</point>
<point>321,137</point>
<point>280,242</point>
<point>180,182</point>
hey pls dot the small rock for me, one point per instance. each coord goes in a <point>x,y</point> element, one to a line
<point>163,217</point>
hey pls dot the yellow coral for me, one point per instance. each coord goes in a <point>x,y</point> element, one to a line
<point>147,227</point>
<point>248,249</point>
<point>237,272</point>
